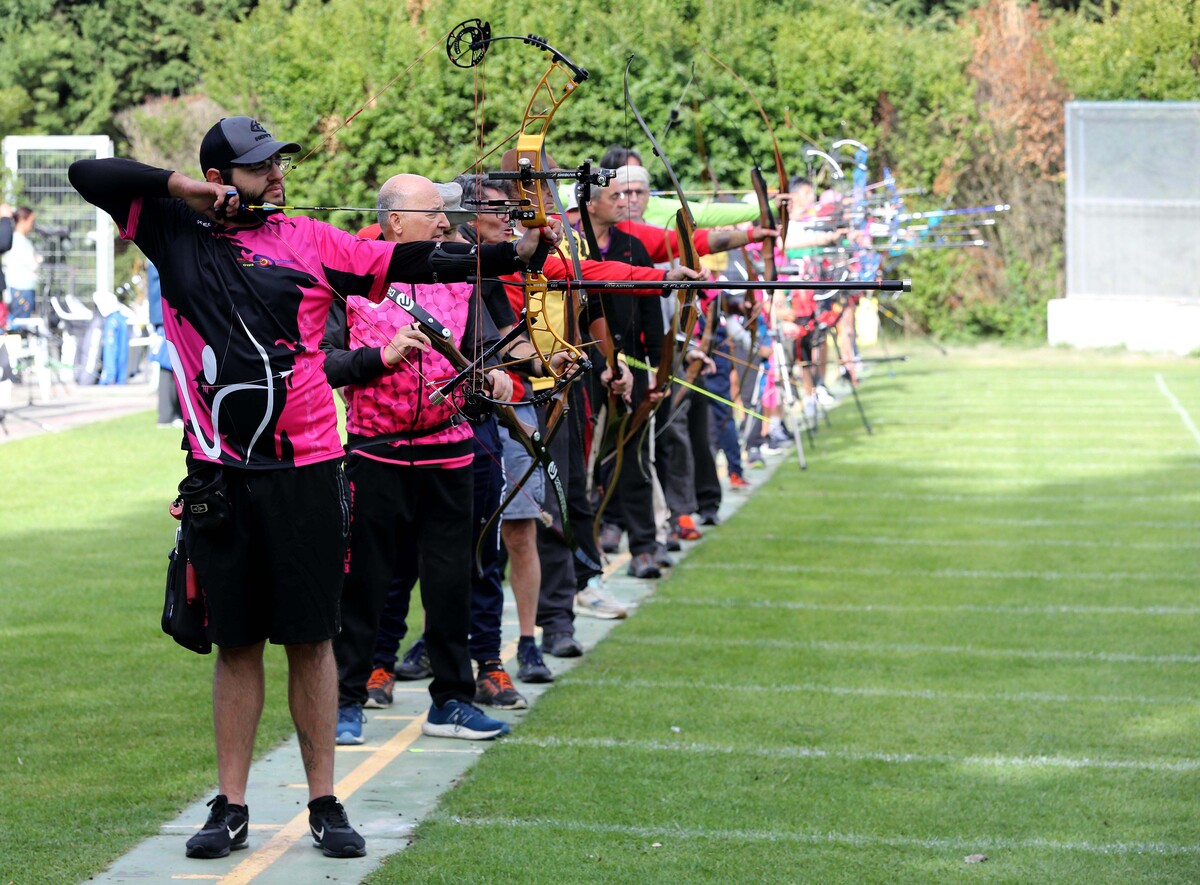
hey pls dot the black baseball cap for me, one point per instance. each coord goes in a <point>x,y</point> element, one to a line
<point>240,141</point>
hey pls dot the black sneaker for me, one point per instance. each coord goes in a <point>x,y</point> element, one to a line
<point>416,663</point>
<point>225,830</point>
<point>331,830</point>
<point>531,667</point>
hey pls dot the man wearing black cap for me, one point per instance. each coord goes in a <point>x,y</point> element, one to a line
<point>249,293</point>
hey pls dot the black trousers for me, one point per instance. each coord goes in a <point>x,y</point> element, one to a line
<point>563,573</point>
<point>406,517</point>
<point>708,484</point>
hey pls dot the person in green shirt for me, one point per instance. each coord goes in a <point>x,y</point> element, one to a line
<point>647,208</point>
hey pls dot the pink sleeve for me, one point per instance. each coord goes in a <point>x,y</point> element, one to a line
<point>347,253</point>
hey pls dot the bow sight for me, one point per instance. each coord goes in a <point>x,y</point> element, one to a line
<point>468,42</point>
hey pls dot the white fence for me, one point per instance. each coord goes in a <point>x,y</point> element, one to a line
<point>1133,227</point>
<point>74,237</point>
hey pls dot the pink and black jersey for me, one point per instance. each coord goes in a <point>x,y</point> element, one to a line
<point>244,310</point>
<point>395,403</point>
<point>247,351</point>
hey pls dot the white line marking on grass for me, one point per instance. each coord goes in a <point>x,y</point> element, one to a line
<point>858,840</point>
<point>1107,657</point>
<point>942,573</point>
<point>1026,522</point>
<point>921,466</point>
<point>921,433</point>
<point>1020,697</point>
<point>1179,765</point>
<point>896,608</point>
<point>839,491</point>
<point>1027,425</point>
<point>1178,406</point>
<point>1031,450</point>
<point>976,478</point>
<point>981,542</point>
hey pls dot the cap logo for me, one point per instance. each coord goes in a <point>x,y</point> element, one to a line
<point>256,126</point>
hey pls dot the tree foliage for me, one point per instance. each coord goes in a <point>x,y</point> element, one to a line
<point>1148,50</point>
<point>73,66</point>
<point>831,71</point>
<point>959,98</point>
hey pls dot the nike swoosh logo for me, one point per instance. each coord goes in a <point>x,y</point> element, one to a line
<point>233,834</point>
<point>318,834</point>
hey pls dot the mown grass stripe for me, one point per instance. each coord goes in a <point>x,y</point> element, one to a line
<point>1108,657</point>
<point>966,608</point>
<point>794,752</point>
<point>1033,449</point>
<point>839,490</point>
<point>1002,543</point>
<point>855,840</point>
<point>976,520</point>
<point>944,573</point>
<point>1021,697</point>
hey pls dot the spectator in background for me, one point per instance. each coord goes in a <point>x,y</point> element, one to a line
<point>169,412</point>
<point>6,238</point>
<point>21,265</point>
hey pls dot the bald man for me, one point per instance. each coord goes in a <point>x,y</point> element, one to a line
<point>409,462</point>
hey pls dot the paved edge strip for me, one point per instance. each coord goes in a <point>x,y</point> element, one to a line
<point>260,863</point>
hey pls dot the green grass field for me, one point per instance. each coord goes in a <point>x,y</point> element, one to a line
<point>975,632</point>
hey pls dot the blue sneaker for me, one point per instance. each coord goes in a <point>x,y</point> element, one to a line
<point>458,719</point>
<point>349,724</point>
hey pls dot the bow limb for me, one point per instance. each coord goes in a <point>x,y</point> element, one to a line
<point>538,447</point>
<point>706,346</point>
<point>556,85</point>
<point>778,154</point>
<point>530,437</point>
<point>466,47</point>
<point>685,226</point>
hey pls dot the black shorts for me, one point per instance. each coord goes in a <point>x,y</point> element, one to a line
<point>274,570</point>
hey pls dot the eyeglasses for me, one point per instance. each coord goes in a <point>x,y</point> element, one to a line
<point>635,194</point>
<point>284,163</point>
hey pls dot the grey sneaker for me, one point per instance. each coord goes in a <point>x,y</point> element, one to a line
<point>594,601</point>
<point>561,645</point>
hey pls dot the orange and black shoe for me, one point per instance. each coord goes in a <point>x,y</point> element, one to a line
<point>685,529</point>
<point>737,481</point>
<point>379,688</point>
<point>494,688</point>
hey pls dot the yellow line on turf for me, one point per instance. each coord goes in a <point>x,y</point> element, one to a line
<point>297,828</point>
